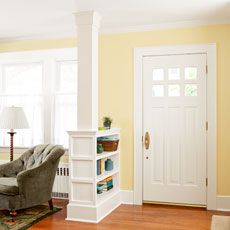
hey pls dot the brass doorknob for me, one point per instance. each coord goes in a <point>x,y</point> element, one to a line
<point>147,140</point>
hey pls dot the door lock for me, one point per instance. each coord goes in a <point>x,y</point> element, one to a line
<point>147,140</point>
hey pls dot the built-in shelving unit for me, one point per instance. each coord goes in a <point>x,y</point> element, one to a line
<point>84,202</point>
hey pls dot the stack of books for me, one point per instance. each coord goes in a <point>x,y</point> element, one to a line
<point>106,183</point>
<point>100,166</point>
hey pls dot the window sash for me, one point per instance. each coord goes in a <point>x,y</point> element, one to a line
<point>49,60</point>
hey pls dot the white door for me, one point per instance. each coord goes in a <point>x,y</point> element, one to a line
<point>174,115</point>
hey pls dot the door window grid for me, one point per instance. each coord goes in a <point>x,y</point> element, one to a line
<point>177,84</point>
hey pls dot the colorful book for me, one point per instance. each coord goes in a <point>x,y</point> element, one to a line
<point>98,167</point>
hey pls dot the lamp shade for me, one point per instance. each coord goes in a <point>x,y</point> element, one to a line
<point>13,118</point>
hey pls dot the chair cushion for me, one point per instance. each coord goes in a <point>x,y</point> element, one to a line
<point>39,156</point>
<point>9,186</point>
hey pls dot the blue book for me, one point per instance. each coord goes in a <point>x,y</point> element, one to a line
<point>98,167</point>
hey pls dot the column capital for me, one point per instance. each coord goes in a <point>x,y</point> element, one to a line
<point>88,18</point>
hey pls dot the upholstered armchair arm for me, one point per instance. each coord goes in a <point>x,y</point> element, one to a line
<point>37,183</point>
<point>11,169</point>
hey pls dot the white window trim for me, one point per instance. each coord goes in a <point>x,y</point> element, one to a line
<point>47,57</point>
<point>139,54</point>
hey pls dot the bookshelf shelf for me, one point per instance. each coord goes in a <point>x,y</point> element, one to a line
<point>107,194</point>
<point>106,154</point>
<point>109,132</point>
<point>80,180</point>
<point>107,174</point>
<point>84,202</point>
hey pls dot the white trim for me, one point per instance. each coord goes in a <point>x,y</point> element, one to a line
<point>126,197</point>
<point>223,203</point>
<point>139,53</point>
<point>82,220</point>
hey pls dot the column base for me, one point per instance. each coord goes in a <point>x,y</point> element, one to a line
<point>91,213</point>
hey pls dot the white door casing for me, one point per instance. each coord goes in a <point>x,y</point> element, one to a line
<point>174,114</point>
<point>211,142</point>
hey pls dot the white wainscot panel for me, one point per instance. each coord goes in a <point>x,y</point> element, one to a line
<point>82,147</point>
<point>82,192</point>
<point>82,169</point>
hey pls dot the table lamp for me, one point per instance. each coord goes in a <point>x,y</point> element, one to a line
<point>13,118</point>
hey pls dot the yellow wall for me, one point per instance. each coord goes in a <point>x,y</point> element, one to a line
<point>116,84</point>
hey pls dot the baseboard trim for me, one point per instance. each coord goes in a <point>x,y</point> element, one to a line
<point>81,220</point>
<point>127,197</point>
<point>223,203</point>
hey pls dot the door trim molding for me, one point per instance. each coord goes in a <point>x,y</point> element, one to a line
<point>139,54</point>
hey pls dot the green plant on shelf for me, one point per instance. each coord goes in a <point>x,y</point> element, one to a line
<point>107,121</point>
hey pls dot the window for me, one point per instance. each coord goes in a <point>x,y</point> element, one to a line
<point>65,101</point>
<point>174,74</point>
<point>190,73</point>
<point>44,83</point>
<point>190,90</point>
<point>173,90</point>
<point>157,90</point>
<point>158,74</point>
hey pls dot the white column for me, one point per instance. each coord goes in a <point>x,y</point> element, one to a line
<point>87,39</point>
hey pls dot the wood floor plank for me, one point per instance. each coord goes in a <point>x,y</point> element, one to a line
<point>134,217</point>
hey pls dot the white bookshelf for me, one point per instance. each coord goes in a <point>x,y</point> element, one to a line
<point>84,202</point>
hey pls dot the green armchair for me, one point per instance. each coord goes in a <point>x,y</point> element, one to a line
<point>28,181</point>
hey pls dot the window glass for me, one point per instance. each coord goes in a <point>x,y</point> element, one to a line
<point>65,106</point>
<point>174,73</point>
<point>158,91</point>
<point>48,96</point>
<point>158,74</point>
<point>67,76</point>
<point>23,88</point>
<point>190,73</point>
<point>23,78</point>
<point>190,90</point>
<point>174,90</point>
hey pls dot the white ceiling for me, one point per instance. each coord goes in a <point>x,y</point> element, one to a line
<point>25,19</point>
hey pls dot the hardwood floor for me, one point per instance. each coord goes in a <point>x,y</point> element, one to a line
<point>132,217</point>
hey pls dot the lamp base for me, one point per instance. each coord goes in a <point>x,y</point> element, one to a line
<point>11,145</point>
